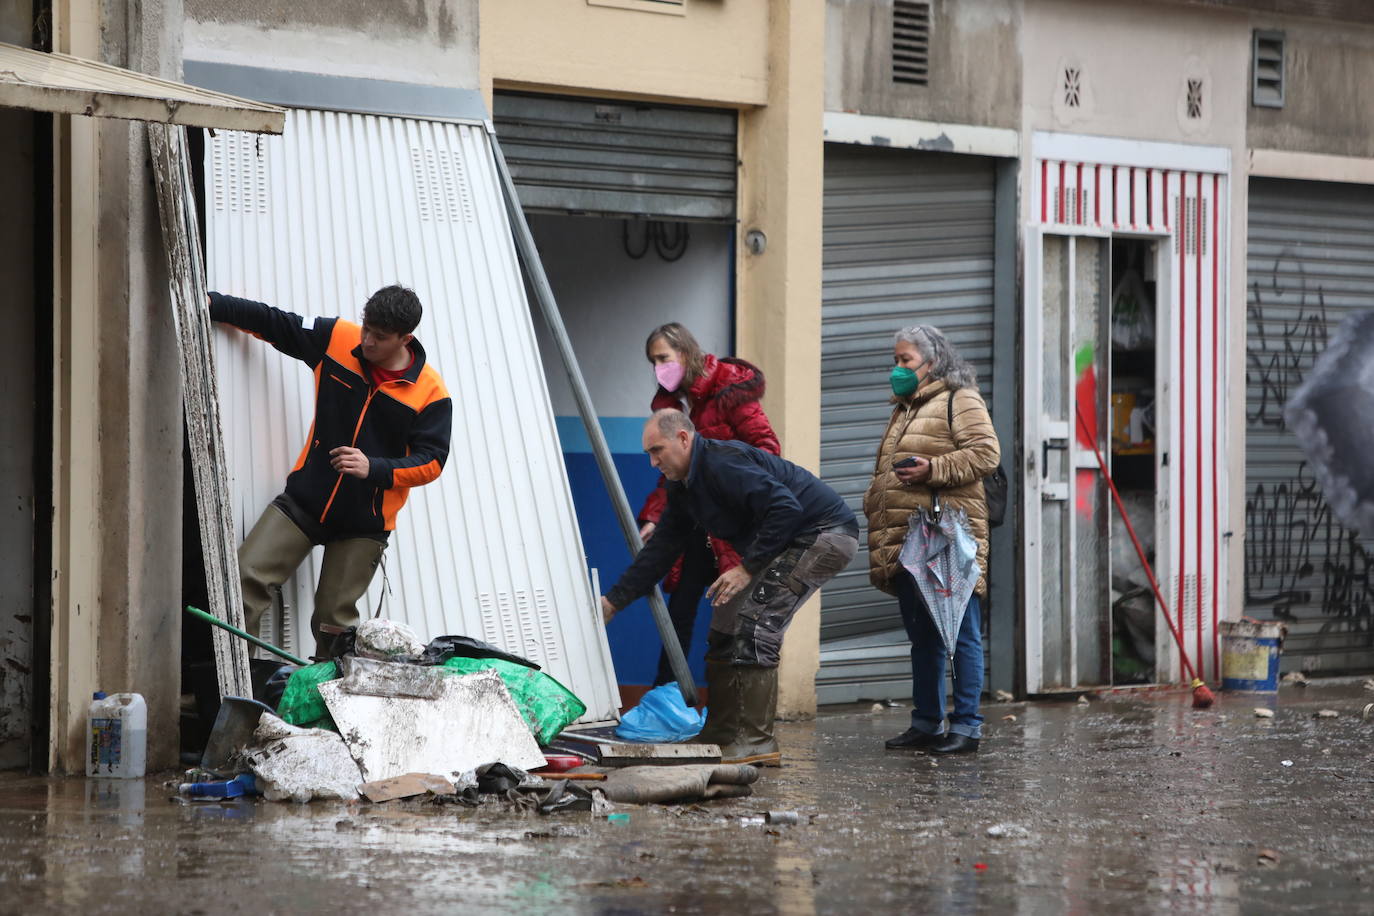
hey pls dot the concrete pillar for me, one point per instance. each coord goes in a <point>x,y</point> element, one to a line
<point>778,315</point>
<point>117,405</point>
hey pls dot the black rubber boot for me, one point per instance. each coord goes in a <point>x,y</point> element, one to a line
<point>757,691</point>
<point>913,739</point>
<point>722,706</point>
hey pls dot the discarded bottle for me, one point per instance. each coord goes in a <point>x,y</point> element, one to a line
<point>242,784</point>
<point>117,736</point>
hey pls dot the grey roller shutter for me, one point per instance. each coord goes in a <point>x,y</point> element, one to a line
<point>1310,265</point>
<point>619,158</point>
<point>908,240</point>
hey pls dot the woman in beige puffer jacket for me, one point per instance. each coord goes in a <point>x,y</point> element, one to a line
<point>952,460</point>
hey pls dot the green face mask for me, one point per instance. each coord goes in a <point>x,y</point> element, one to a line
<point>904,381</point>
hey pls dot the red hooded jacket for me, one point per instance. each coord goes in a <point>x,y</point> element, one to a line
<point>725,405</point>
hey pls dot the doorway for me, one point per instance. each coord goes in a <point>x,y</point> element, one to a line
<point>1133,402</point>
<point>1094,385</point>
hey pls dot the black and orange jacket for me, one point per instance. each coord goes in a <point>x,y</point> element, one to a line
<point>402,427</point>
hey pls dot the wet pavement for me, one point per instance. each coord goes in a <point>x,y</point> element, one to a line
<point>1129,804</point>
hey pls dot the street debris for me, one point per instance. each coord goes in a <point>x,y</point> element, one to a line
<point>473,721</point>
<point>406,786</point>
<point>1009,718</point>
<point>1008,831</point>
<point>1287,763</point>
<point>301,764</point>
<point>1264,712</point>
<point>1367,711</point>
<point>781,817</point>
<point>457,722</point>
<point>1326,714</point>
<point>648,784</point>
<point>876,708</point>
<point>1268,858</point>
<point>1369,684</point>
<point>1003,696</point>
<point>1296,678</point>
<point>1083,700</point>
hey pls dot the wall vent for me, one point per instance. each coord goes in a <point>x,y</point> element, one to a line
<point>441,186</point>
<point>1267,70</point>
<point>1073,87</point>
<point>1195,99</point>
<point>911,42</point>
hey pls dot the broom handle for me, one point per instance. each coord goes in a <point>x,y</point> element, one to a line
<point>1140,551</point>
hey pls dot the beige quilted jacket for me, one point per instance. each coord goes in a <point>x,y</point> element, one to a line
<point>960,458</point>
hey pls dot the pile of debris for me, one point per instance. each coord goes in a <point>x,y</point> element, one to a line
<point>455,722</point>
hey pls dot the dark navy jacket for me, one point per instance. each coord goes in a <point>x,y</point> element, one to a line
<point>757,501</point>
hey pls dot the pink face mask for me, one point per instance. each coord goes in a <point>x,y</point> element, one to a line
<point>669,375</point>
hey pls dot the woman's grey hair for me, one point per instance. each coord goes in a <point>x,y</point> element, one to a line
<point>943,361</point>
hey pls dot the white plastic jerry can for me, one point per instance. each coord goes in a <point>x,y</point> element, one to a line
<point>117,736</point>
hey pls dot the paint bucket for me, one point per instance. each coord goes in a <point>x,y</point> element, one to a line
<point>1250,654</point>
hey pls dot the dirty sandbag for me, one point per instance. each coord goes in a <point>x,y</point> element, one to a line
<point>442,648</point>
<point>387,640</point>
<point>301,764</point>
<point>650,784</point>
<point>301,703</point>
<point>546,705</point>
<point>661,717</point>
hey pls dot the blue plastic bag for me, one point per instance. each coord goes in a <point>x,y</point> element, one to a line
<point>660,717</point>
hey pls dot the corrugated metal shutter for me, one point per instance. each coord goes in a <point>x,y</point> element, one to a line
<point>314,222</point>
<point>908,239</point>
<point>619,158</point>
<point>1310,264</point>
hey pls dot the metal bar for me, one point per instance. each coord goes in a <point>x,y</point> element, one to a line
<point>260,643</point>
<point>548,307</point>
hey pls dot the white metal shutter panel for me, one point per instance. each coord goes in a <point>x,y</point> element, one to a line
<point>313,222</point>
<point>908,240</point>
<point>619,158</point>
<point>1310,265</point>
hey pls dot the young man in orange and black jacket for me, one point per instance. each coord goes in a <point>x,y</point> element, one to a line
<point>381,426</point>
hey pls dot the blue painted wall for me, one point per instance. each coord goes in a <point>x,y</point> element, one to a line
<point>635,644</point>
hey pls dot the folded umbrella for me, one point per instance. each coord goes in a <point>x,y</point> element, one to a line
<point>942,557</point>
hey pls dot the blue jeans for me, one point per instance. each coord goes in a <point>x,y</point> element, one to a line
<point>928,665</point>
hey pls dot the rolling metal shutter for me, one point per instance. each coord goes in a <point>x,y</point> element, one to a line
<point>908,240</point>
<point>1310,265</point>
<point>618,158</point>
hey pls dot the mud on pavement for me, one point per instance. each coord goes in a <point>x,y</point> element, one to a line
<point>1123,805</point>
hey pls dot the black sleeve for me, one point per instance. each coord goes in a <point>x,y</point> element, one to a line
<point>284,330</point>
<point>768,500</point>
<point>656,558</point>
<point>429,442</point>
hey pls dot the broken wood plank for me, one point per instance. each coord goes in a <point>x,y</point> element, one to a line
<point>200,399</point>
<point>629,755</point>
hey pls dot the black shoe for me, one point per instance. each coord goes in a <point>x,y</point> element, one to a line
<point>955,744</point>
<point>913,739</point>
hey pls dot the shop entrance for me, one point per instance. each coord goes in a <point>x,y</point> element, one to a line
<point>1095,386</point>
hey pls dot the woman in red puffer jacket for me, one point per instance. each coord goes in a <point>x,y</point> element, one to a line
<point>722,398</point>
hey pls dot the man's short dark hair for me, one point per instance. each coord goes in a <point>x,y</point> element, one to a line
<point>670,421</point>
<point>394,309</point>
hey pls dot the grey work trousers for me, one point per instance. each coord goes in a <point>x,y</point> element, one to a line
<point>276,546</point>
<point>748,630</point>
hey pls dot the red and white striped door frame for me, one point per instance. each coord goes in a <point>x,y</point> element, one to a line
<point>1181,195</point>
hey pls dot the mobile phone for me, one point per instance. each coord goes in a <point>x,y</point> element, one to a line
<point>909,462</point>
